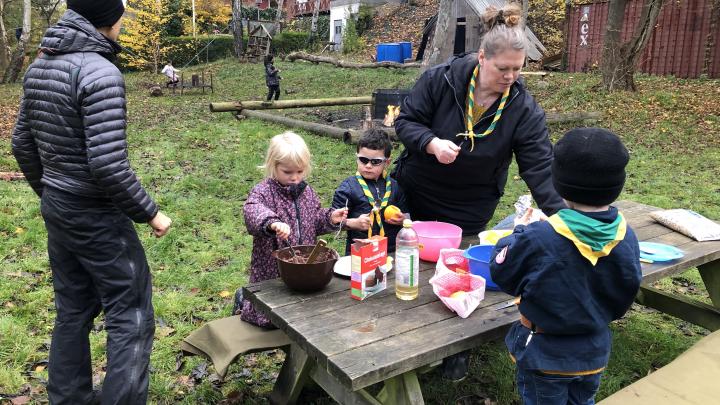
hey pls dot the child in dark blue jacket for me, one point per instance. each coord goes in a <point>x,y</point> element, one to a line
<point>575,273</point>
<point>371,186</point>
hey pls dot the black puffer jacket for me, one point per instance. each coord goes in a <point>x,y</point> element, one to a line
<point>436,108</point>
<point>70,132</point>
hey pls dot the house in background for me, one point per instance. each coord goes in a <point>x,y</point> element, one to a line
<point>340,11</point>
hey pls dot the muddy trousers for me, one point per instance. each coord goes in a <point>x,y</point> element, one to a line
<point>97,264</point>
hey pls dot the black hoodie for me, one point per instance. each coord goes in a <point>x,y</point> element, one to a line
<point>436,108</point>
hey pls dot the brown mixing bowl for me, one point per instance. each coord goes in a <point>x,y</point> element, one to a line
<point>306,277</point>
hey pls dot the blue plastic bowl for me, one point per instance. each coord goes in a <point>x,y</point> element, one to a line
<point>479,260</point>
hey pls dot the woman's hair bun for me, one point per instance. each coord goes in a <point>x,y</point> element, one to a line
<point>509,15</point>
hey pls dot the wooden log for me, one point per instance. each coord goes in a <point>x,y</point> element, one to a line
<point>280,104</point>
<point>554,118</point>
<point>320,129</point>
<point>292,57</point>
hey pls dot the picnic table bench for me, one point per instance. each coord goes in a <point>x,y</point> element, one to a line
<point>346,345</point>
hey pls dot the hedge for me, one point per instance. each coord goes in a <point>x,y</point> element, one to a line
<point>289,41</point>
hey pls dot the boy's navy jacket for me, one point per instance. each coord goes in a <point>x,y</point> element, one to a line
<point>565,296</point>
<point>271,75</point>
<point>358,204</point>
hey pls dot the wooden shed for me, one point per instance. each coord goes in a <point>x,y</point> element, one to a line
<point>685,42</point>
<point>465,33</point>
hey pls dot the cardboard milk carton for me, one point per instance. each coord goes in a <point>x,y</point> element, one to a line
<point>367,257</point>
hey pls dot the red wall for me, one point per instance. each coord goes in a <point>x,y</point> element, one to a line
<point>683,35</point>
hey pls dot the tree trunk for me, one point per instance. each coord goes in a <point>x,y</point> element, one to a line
<point>619,59</point>
<point>237,27</point>
<point>314,21</point>
<point>292,57</point>
<point>16,62</point>
<point>281,104</point>
<point>4,44</point>
<point>278,15</point>
<point>441,40</point>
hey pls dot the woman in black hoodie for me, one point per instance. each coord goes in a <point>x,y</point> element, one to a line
<point>458,148</point>
<point>461,124</point>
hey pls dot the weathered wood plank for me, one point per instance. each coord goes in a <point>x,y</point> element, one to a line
<point>395,326</point>
<point>293,375</point>
<point>373,363</point>
<point>402,390</point>
<point>687,309</point>
<point>696,254</point>
<point>340,393</point>
<point>710,273</point>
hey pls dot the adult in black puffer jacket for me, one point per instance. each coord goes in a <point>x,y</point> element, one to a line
<point>443,178</point>
<point>69,141</point>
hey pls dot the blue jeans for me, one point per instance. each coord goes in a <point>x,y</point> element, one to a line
<point>537,388</point>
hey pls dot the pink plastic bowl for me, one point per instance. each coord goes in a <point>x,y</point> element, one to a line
<point>434,235</point>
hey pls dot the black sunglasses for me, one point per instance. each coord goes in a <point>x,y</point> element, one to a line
<point>374,161</point>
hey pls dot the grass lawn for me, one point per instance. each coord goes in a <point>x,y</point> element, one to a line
<point>199,167</point>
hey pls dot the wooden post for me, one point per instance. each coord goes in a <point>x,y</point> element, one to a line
<point>367,122</point>
<point>443,39</point>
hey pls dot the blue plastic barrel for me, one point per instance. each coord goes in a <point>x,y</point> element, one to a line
<point>391,52</point>
<point>406,50</point>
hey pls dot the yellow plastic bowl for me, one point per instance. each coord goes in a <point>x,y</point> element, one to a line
<point>492,236</point>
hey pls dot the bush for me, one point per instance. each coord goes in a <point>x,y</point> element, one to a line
<point>184,49</point>
<point>364,19</point>
<point>303,24</point>
<point>351,41</point>
<point>289,41</point>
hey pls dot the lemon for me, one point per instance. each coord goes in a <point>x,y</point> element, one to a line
<point>458,294</point>
<point>392,212</point>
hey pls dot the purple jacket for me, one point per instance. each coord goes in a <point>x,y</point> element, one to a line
<point>297,206</point>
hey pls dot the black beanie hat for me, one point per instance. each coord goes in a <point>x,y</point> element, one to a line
<point>589,166</point>
<point>99,13</point>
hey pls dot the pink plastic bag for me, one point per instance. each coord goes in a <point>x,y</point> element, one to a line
<point>446,282</point>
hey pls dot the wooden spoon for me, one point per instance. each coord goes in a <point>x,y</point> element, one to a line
<point>316,250</point>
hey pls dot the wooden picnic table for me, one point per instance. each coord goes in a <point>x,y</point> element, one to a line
<point>346,345</point>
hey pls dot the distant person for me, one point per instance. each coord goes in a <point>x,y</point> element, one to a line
<point>370,191</point>
<point>170,71</point>
<point>281,211</point>
<point>272,78</point>
<point>70,143</point>
<point>575,273</point>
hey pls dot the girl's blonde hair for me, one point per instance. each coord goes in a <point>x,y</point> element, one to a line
<point>286,148</point>
<point>503,30</point>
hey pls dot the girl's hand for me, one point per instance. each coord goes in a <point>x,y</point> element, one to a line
<point>338,215</point>
<point>281,229</point>
<point>445,151</point>
<point>361,223</point>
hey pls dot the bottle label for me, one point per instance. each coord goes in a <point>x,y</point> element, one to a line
<point>407,266</point>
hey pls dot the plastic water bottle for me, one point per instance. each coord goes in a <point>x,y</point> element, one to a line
<point>407,263</point>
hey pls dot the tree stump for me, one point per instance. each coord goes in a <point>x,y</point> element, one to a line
<point>156,91</point>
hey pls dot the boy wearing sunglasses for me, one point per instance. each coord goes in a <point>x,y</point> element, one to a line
<point>370,191</point>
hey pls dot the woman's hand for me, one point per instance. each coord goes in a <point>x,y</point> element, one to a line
<point>281,229</point>
<point>445,151</point>
<point>160,224</point>
<point>361,223</point>
<point>338,215</point>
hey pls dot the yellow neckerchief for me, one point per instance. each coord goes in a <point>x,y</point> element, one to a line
<point>470,122</point>
<point>585,250</point>
<point>375,213</point>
